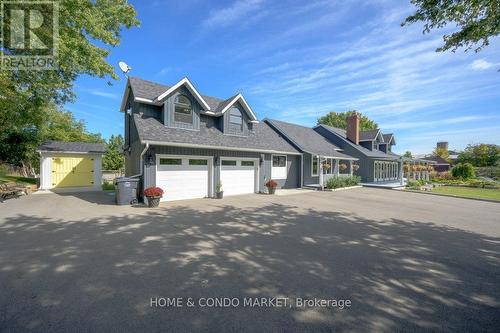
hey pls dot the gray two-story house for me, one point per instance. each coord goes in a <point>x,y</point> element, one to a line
<point>186,143</point>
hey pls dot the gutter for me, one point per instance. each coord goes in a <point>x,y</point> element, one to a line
<point>141,166</point>
<point>189,145</point>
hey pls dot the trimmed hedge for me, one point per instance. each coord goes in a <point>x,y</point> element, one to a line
<point>342,181</point>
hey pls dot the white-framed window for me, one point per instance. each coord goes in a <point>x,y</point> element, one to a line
<point>279,169</point>
<point>183,111</point>
<point>235,116</point>
<point>314,166</point>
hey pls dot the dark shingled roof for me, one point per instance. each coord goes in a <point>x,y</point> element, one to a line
<point>77,147</point>
<point>368,135</point>
<point>151,90</point>
<point>307,139</point>
<point>263,137</point>
<point>387,137</point>
<point>367,152</point>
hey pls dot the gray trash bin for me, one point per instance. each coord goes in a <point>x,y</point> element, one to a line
<point>126,190</point>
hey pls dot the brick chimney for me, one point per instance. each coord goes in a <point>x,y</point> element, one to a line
<point>352,131</point>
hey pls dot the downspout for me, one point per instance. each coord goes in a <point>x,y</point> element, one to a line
<point>141,166</point>
<point>302,170</point>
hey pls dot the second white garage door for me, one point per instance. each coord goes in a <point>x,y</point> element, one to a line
<point>183,178</point>
<point>238,176</point>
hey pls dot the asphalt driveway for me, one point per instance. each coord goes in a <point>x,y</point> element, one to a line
<point>405,261</point>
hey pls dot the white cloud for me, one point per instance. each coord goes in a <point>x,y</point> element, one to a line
<point>100,93</point>
<point>224,17</point>
<point>481,64</point>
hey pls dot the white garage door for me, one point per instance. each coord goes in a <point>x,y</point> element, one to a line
<point>183,178</point>
<point>238,176</point>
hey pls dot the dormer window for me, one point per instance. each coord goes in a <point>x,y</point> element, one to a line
<point>183,110</point>
<point>235,117</point>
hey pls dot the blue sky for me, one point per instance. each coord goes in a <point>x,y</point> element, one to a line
<point>296,60</point>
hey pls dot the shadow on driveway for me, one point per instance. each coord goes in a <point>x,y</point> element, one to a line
<point>99,274</point>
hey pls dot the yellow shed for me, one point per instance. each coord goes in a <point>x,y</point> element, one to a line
<point>72,166</point>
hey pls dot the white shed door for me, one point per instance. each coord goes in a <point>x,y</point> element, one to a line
<point>238,176</point>
<point>182,178</point>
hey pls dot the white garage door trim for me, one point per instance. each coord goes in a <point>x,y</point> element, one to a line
<point>239,159</point>
<point>210,185</point>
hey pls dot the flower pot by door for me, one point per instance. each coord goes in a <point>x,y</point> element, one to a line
<point>271,190</point>
<point>219,195</point>
<point>153,201</point>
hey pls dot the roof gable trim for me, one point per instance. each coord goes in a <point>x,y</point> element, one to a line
<point>184,82</point>
<point>245,105</point>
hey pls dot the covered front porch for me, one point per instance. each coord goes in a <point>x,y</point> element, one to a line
<point>325,167</point>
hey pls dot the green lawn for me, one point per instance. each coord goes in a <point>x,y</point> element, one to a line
<point>469,192</point>
<point>22,180</point>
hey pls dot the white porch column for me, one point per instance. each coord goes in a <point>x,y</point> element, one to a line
<point>401,172</point>
<point>336,167</point>
<point>350,167</point>
<point>320,170</point>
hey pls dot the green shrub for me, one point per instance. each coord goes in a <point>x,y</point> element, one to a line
<point>342,181</point>
<point>463,171</point>
<point>415,184</point>
<point>108,186</point>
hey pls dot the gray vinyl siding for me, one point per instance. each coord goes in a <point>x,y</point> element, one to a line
<point>292,181</point>
<point>233,129</point>
<point>308,178</point>
<point>367,144</point>
<point>293,171</point>
<point>168,111</point>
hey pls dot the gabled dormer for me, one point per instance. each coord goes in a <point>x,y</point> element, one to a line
<point>237,118</point>
<point>182,106</point>
<point>389,141</point>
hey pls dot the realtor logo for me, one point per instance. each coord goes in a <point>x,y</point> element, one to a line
<point>29,34</point>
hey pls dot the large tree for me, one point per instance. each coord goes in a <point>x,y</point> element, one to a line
<point>477,21</point>
<point>480,155</point>
<point>339,120</point>
<point>87,32</point>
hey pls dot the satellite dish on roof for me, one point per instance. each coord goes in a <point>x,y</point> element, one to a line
<point>124,67</point>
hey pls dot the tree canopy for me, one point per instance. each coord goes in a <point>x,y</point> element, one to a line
<point>31,99</point>
<point>339,120</point>
<point>408,154</point>
<point>480,155</point>
<point>114,159</point>
<point>87,31</point>
<point>477,21</point>
<point>441,152</point>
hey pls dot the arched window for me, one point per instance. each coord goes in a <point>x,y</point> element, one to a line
<point>183,111</point>
<point>235,116</point>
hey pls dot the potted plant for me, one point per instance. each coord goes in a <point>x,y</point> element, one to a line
<point>219,193</point>
<point>154,194</point>
<point>342,166</point>
<point>326,166</point>
<point>355,167</point>
<point>271,186</point>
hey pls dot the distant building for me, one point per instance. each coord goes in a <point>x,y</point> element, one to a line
<point>442,164</point>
